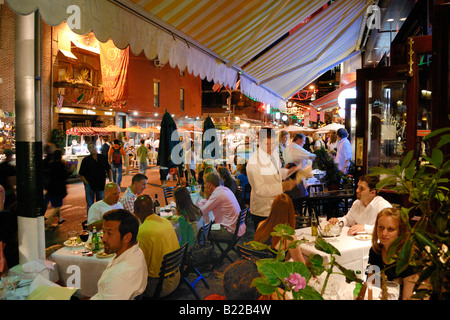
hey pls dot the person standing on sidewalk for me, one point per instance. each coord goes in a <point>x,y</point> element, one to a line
<point>116,154</point>
<point>142,155</point>
<point>93,171</point>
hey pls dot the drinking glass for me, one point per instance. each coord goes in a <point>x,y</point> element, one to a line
<point>393,290</point>
<point>322,220</point>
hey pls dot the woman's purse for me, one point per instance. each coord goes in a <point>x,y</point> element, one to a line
<point>203,251</point>
<point>201,254</point>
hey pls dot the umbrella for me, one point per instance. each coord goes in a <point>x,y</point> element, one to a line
<point>330,127</point>
<point>136,129</point>
<point>210,142</point>
<point>190,127</point>
<point>114,128</point>
<point>168,139</point>
<point>151,130</point>
<point>292,128</point>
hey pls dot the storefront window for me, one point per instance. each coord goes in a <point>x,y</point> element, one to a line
<point>424,104</point>
<point>387,123</point>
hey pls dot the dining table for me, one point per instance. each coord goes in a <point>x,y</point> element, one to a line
<point>79,267</point>
<point>354,250</point>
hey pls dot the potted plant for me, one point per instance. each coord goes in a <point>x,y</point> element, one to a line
<point>427,239</point>
<point>325,162</point>
<point>293,276</point>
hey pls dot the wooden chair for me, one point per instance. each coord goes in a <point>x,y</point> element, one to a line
<point>168,193</point>
<point>230,244</point>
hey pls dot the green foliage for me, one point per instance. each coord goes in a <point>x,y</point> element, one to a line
<point>58,137</point>
<point>276,273</point>
<point>425,244</point>
<point>325,162</point>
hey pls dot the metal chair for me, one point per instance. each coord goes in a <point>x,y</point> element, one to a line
<point>203,233</point>
<point>168,193</point>
<point>251,254</point>
<point>233,241</point>
<point>172,262</point>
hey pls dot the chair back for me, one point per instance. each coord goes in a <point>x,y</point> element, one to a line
<point>247,191</point>
<point>302,222</point>
<point>203,233</point>
<point>171,262</point>
<point>168,193</point>
<point>241,220</point>
<point>250,254</point>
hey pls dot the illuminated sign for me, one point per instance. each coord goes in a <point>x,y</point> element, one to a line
<point>88,112</point>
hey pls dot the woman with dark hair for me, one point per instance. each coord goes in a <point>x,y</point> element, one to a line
<point>282,212</point>
<point>228,180</point>
<point>188,214</point>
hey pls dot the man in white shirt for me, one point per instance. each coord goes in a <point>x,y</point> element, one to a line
<point>110,202</point>
<point>295,153</point>
<point>225,207</point>
<point>266,176</point>
<point>344,151</point>
<point>362,215</point>
<point>125,277</point>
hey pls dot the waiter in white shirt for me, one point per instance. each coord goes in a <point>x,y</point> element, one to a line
<point>295,153</point>
<point>266,176</point>
<point>362,215</point>
<point>344,151</point>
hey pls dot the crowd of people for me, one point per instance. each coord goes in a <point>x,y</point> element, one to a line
<point>140,238</point>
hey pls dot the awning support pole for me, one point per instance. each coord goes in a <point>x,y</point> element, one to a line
<point>29,175</point>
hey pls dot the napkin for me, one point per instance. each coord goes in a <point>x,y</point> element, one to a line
<point>38,267</point>
<point>43,289</point>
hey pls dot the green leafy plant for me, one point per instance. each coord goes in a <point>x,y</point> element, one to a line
<point>426,241</point>
<point>294,276</point>
<point>325,162</point>
<point>58,137</point>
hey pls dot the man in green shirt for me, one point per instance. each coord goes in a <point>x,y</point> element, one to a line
<point>142,155</point>
<point>156,238</point>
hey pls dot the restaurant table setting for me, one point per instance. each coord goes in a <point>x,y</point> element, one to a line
<point>34,280</point>
<point>79,266</point>
<point>354,249</point>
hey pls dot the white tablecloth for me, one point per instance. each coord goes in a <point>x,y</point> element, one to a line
<point>354,253</point>
<point>91,268</point>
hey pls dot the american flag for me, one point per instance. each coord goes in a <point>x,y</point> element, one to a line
<point>91,101</point>
<point>59,101</point>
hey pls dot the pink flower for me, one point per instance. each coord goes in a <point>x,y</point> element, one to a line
<point>296,281</point>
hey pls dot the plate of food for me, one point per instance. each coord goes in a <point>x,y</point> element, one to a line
<point>363,237</point>
<point>73,243</point>
<point>103,255</point>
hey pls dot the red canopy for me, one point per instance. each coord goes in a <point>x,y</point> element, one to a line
<point>87,131</point>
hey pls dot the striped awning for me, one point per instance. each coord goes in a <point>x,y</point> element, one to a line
<point>81,131</point>
<point>87,131</point>
<point>223,40</point>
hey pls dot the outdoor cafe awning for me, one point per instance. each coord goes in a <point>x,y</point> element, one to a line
<point>223,40</point>
<point>330,101</point>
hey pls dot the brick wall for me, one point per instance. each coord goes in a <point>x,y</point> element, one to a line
<point>7,101</point>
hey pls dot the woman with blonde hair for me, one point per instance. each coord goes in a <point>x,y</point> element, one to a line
<point>281,212</point>
<point>388,227</point>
